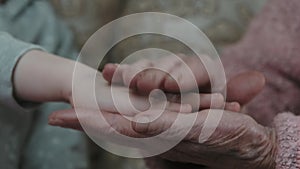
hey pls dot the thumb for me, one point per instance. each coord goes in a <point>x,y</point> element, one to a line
<point>65,118</point>
<point>245,86</point>
<point>107,124</point>
<point>110,73</point>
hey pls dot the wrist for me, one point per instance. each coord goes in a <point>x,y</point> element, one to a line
<point>82,79</point>
<point>42,77</point>
<point>64,80</point>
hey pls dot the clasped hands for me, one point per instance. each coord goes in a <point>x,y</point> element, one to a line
<point>238,141</point>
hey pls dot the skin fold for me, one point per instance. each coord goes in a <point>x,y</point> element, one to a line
<point>228,147</point>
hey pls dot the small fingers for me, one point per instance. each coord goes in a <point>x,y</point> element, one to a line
<point>177,107</point>
<point>199,101</point>
<point>113,73</point>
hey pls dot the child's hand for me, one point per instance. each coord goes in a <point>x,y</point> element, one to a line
<point>120,99</point>
<point>89,84</point>
<point>43,77</point>
<point>238,138</point>
<point>111,98</point>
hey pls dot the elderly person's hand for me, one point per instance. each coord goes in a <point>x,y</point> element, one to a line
<point>171,74</point>
<point>238,141</point>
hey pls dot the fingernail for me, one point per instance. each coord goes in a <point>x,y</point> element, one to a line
<point>186,108</point>
<point>233,106</point>
<point>236,106</point>
<point>217,100</point>
<point>217,96</point>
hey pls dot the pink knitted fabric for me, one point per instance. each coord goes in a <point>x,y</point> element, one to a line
<point>288,131</point>
<point>272,46</point>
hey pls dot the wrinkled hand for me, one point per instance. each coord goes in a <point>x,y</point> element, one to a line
<point>242,88</point>
<point>238,141</point>
<point>168,73</point>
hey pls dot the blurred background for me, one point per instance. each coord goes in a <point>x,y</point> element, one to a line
<point>224,22</point>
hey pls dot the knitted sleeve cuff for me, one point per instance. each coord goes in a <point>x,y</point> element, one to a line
<point>287,127</point>
<point>10,53</point>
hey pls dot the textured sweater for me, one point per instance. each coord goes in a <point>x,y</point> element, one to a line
<point>272,46</point>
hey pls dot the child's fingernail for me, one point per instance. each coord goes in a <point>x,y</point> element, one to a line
<point>233,106</point>
<point>186,108</point>
<point>217,100</point>
<point>217,96</point>
<point>236,105</point>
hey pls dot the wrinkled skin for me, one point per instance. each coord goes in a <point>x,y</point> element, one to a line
<point>242,88</point>
<point>166,73</point>
<point>239,142</point>
<point>140,101</point>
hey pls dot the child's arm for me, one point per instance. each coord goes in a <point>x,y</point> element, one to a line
<point>10,52</point>
<point>43,77</point>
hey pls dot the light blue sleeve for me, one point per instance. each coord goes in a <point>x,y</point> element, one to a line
<point>26,140</point>
<point>10,52</point>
